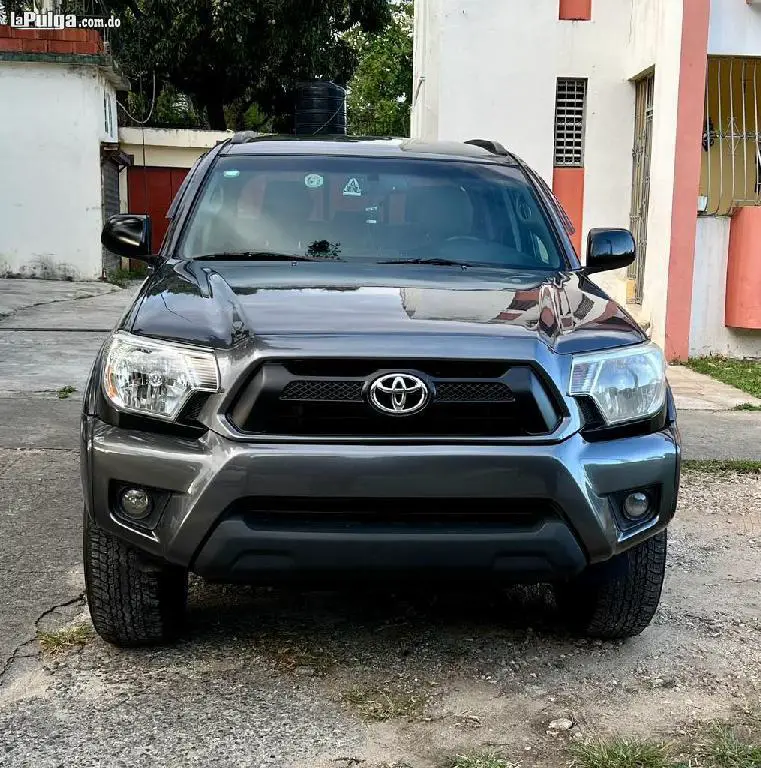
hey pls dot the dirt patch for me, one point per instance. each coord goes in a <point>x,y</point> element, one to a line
<point>416,679</point>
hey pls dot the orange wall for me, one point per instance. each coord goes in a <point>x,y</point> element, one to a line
<point>687,162</point>
<point>576,10</point>
<point>568,187</point>
<point>743,296</point>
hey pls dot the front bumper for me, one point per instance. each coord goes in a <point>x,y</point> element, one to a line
<point>208,485</point>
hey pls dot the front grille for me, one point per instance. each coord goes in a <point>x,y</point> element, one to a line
<point>419,513</point>
<point>314,390</point>
<point>329,398</point>
<point>473,391</point>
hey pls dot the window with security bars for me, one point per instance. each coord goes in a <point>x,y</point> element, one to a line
<point>570,108</point>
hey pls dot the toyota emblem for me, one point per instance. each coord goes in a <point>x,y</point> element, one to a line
<point>399,394</point>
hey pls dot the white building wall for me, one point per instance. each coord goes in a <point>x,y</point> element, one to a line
<point>735,29</point>
<point>708,334</point>
<point>50,198</point>
<point>493,75</point>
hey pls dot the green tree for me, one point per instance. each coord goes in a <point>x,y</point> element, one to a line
<point>227,55</point>
<point>380,93</point>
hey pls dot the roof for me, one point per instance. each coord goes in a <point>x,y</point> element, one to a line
<point>361,146</point>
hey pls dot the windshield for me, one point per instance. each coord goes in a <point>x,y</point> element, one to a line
<point>371,209</point>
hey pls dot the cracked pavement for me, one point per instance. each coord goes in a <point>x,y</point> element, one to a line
<point>285,679</point>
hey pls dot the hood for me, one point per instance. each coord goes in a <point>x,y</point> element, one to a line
<point>219,304</point>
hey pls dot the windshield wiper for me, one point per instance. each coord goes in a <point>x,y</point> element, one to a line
<point>255,256</point>
<point>433,262</point>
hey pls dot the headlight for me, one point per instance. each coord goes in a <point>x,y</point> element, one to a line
<point>155,378</point>
<point>627,385</point>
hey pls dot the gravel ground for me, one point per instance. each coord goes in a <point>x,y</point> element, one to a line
<point>274,678</point>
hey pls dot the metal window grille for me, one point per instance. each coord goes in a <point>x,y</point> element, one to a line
<point>731,169</point>
<point>570,109</point>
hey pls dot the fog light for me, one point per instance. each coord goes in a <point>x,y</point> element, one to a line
<point>636,505</point>
<point>136,503</point>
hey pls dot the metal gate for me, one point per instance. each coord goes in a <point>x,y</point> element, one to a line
<point>731,136</point>
<point>110,201</point>
<point>643,145</point>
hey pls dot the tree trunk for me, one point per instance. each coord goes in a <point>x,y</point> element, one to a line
<point>215,112</point>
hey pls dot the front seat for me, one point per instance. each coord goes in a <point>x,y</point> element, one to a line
<point>438,213</point>
<point>284,222</point>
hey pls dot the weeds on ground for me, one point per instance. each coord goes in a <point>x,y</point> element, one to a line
<point>747,407</point>
<point>714,746</point>
<point>741,466</point>
<point>743,374</point>
<point>481,760</point>
<point>620,753</point>
<point>64,393</point>
<point>65,639</point>
<point>290,654</point>
<point>122,277</point>
<point>725,748</point>
<point>379,704</point>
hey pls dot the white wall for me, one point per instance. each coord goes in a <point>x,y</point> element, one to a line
<point>493,74</point>
<point>168,147</point>
<point>735,29</point>
<point>50,195</point>
<point>491,70</point>
<point>708,334</point>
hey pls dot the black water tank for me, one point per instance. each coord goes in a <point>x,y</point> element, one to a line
<point>320,108</point>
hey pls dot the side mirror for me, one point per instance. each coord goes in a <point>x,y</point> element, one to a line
<point>609,249</point>
<point>128,235</point>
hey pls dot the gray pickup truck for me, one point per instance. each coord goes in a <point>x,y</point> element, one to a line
<point>361,359</point>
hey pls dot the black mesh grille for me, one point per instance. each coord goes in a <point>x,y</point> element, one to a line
<point>328,398</point>
<point>323,391</point>
<point>473,392</point>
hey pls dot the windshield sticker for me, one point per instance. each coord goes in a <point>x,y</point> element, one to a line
<point>232,174</point>
<point>352,189</point>
<point>313,181</point>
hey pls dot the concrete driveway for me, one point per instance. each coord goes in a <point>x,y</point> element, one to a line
<point>296,679</point>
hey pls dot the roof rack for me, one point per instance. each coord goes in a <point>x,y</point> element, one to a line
<point>490,146</point>
<point>243,137</point>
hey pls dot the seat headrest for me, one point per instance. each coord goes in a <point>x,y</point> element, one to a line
<point>444,210</point>
<point>287,199</point>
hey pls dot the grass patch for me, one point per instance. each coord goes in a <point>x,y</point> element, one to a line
<point>123,277</point>
<point>747,407</point>
<point>620,753</point>
<point>710,746</point>
<point>65,639</point>
<point>741,466</point>
<point>726,749</point>
<point>64,393</point>
<point>379,704</point>
<point>743,374</point>
<point>481,760</point>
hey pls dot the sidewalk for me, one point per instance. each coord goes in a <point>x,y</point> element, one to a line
<point>20,294</point>
<point>696,392</point>
<point>52,332</point>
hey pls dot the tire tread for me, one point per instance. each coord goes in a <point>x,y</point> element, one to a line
<point>133,600</point>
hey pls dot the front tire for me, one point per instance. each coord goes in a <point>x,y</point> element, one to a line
<point>618,598</point>
<point>133,599</point>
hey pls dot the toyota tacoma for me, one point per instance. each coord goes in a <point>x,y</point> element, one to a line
<point>373,359</point>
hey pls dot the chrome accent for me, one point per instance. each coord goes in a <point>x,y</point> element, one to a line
<point>399,394</point>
